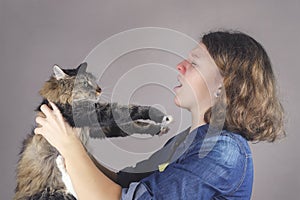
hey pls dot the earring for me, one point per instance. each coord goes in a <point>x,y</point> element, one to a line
<point>218,92</point>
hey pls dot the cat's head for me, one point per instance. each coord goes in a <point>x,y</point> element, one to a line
<point>66,85</point>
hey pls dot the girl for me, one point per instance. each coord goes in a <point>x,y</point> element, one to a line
<point>228,85</point>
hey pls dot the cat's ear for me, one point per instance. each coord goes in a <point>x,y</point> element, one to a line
<point>82,67</point>
<point>58,72</point>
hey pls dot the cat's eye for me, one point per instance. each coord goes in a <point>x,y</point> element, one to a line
<point>85,83</point>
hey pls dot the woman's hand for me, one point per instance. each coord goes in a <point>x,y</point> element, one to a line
<point>89,182</point>
<point>55,129</point>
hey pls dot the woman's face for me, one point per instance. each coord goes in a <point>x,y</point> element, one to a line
<point>199,78</point>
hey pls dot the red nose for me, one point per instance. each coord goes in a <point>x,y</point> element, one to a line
<point>182,66</point>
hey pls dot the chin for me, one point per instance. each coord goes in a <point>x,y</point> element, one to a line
<point>179,103</point>
<point>176,101</point>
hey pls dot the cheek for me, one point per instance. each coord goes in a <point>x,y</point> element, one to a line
<point>199,88</point>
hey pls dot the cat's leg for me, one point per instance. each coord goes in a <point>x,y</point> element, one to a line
<point>157,128</point>
<point>109,113</point>
<point>146,127</point>
<point>108,131</point>
<point>146,112</point>
<point>152,115</point>
<point>117,120</point>
<point>60,162</point>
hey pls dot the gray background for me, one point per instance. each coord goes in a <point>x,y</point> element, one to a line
<point>36,34</point>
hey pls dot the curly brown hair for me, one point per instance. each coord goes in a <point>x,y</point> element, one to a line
<point>253,109</point>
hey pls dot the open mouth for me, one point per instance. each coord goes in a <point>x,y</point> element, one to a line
<point>180,84</point>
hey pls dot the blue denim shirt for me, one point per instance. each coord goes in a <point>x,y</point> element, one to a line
<point>200,167</point>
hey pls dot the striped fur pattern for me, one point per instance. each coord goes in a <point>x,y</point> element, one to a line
<point>38,177</point>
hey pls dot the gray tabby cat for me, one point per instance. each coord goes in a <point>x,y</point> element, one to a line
<point>40,168</point>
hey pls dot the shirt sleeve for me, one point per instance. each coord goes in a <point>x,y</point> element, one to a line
<point>136,191</point>
<point>194,177</point>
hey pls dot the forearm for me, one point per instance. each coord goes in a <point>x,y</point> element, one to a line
<point>110,174</point>
<point>88,181</point>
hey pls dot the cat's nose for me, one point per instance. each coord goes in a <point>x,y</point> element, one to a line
<point>98,91</point>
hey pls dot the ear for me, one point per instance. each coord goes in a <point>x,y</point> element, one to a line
<point>82,67</point>
<point>58,72</point>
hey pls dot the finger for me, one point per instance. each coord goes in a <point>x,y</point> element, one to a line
<point>38,131</point>
<point>46,110</point>
<point>40,120</point>
<point>56,111</point>
<point>54,107</point>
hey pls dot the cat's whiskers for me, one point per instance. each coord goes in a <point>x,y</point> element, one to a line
<point>106,87</point>
<point>103,97</point>
<point>105,92</point>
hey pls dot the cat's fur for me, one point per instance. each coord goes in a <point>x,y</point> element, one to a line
<point>38,177</point>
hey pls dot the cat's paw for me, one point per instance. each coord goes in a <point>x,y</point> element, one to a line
<point>167,120</point>
<point>164,124</point>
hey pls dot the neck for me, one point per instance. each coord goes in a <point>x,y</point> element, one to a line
<point>197,120</point>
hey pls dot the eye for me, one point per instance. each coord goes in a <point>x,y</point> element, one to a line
<point>193,64</point>
<point>86,83</point>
